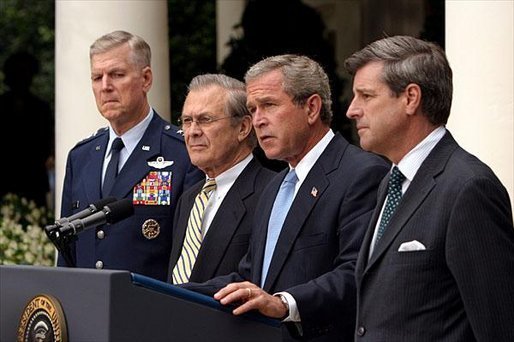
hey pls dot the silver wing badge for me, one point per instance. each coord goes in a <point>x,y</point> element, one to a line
<point>160,163</point>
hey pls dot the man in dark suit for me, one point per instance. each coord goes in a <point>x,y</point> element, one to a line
<point>302,271</point>
<point>153,165</point>
<point>219,138</point>
<point>437,261</point>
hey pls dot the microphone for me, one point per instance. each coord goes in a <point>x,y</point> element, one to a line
<point>91,209</point>
<point>112,213</point>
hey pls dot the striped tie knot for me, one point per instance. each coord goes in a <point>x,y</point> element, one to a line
<point>209,186</point>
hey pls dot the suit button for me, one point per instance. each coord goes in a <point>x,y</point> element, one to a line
<point>99,264</point>
<point>100,234</point>
<point>361,331</point>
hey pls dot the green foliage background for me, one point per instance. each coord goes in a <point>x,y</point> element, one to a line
<point>29,25</point>
<point>192,32</point>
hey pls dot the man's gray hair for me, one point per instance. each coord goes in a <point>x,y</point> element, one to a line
<point>235,101</point>
<point>141,53</point>
<point>410,60</point>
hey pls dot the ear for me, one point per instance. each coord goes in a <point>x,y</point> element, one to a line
<point>245,128</point>
<point>313,108</point>
<point>147,78</point>
<point>413,98</point>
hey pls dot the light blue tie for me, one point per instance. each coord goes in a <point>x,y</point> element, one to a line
<point>278,215</point>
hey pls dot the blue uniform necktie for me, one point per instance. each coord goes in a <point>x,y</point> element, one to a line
<point>112,169</point>
<point>394,195</point>
<point>193,239</point>
<point>278,215</point>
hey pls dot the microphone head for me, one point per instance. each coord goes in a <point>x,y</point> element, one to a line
<point>119,210</point>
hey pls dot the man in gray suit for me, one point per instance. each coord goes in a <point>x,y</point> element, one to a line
<point>437,261</point>
<point>219,138</point>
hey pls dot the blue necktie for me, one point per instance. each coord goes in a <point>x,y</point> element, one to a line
<point>278,215</point>
<point>394,195</point>
<point>112,169</point>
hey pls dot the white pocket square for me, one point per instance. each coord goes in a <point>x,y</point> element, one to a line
<point>410,246</point>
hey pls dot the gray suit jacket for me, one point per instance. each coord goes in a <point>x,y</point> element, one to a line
<point>226,240</point>
<point>460,287</point>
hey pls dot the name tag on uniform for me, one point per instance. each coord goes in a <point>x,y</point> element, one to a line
<point>154,189</point>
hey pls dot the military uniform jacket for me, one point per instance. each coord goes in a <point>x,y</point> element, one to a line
<point>142,242</point>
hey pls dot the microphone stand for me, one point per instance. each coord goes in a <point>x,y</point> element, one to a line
<point>62,243</point>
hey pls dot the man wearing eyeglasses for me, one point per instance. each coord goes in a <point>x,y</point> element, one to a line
<point>213,219</point>
<point>311,218</point>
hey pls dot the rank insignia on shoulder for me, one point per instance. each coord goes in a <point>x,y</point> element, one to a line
<point>154,189</point>
<point>150,229</point>
<point>160,163</point>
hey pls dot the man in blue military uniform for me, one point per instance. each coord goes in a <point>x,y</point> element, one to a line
<point>139,156</point>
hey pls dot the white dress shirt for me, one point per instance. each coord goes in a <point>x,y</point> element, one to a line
<point>130,140</point>
<point>409,166</point>
<point>224,182</point>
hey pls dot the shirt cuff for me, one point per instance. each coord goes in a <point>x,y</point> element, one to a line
<point>294,314</point>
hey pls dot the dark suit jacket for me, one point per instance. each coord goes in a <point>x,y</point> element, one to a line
<point>124,245</point>
<point>315,255</point>
<point>460,287</point>
<point>226,241</point>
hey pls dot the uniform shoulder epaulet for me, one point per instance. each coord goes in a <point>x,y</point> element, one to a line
<point>93,136</point>
<point>173,131</point>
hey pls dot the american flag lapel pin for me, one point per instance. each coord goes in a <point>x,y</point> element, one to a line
<point>314,192</point>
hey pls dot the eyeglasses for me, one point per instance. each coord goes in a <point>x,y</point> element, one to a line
<point>202,121</point>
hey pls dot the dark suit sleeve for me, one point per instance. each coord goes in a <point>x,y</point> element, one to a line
<point>480,256</point>
<point>332,296</point>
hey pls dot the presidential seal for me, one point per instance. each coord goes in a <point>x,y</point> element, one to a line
<point>42,320</point>
<point>151,229</point>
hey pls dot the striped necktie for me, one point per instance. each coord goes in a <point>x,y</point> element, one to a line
<point>193,239</point>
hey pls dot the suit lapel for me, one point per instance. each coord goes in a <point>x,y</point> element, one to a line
<point>423,183</point>
<point>261,225</point>
<point>226,221</point>
<point>303,204</point>
<point>136,167</point>
<point>93,169</point>
<point>186,204</point>
<point>362,261</point>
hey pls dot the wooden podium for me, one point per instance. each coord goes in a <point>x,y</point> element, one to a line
<point>121,306</point>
